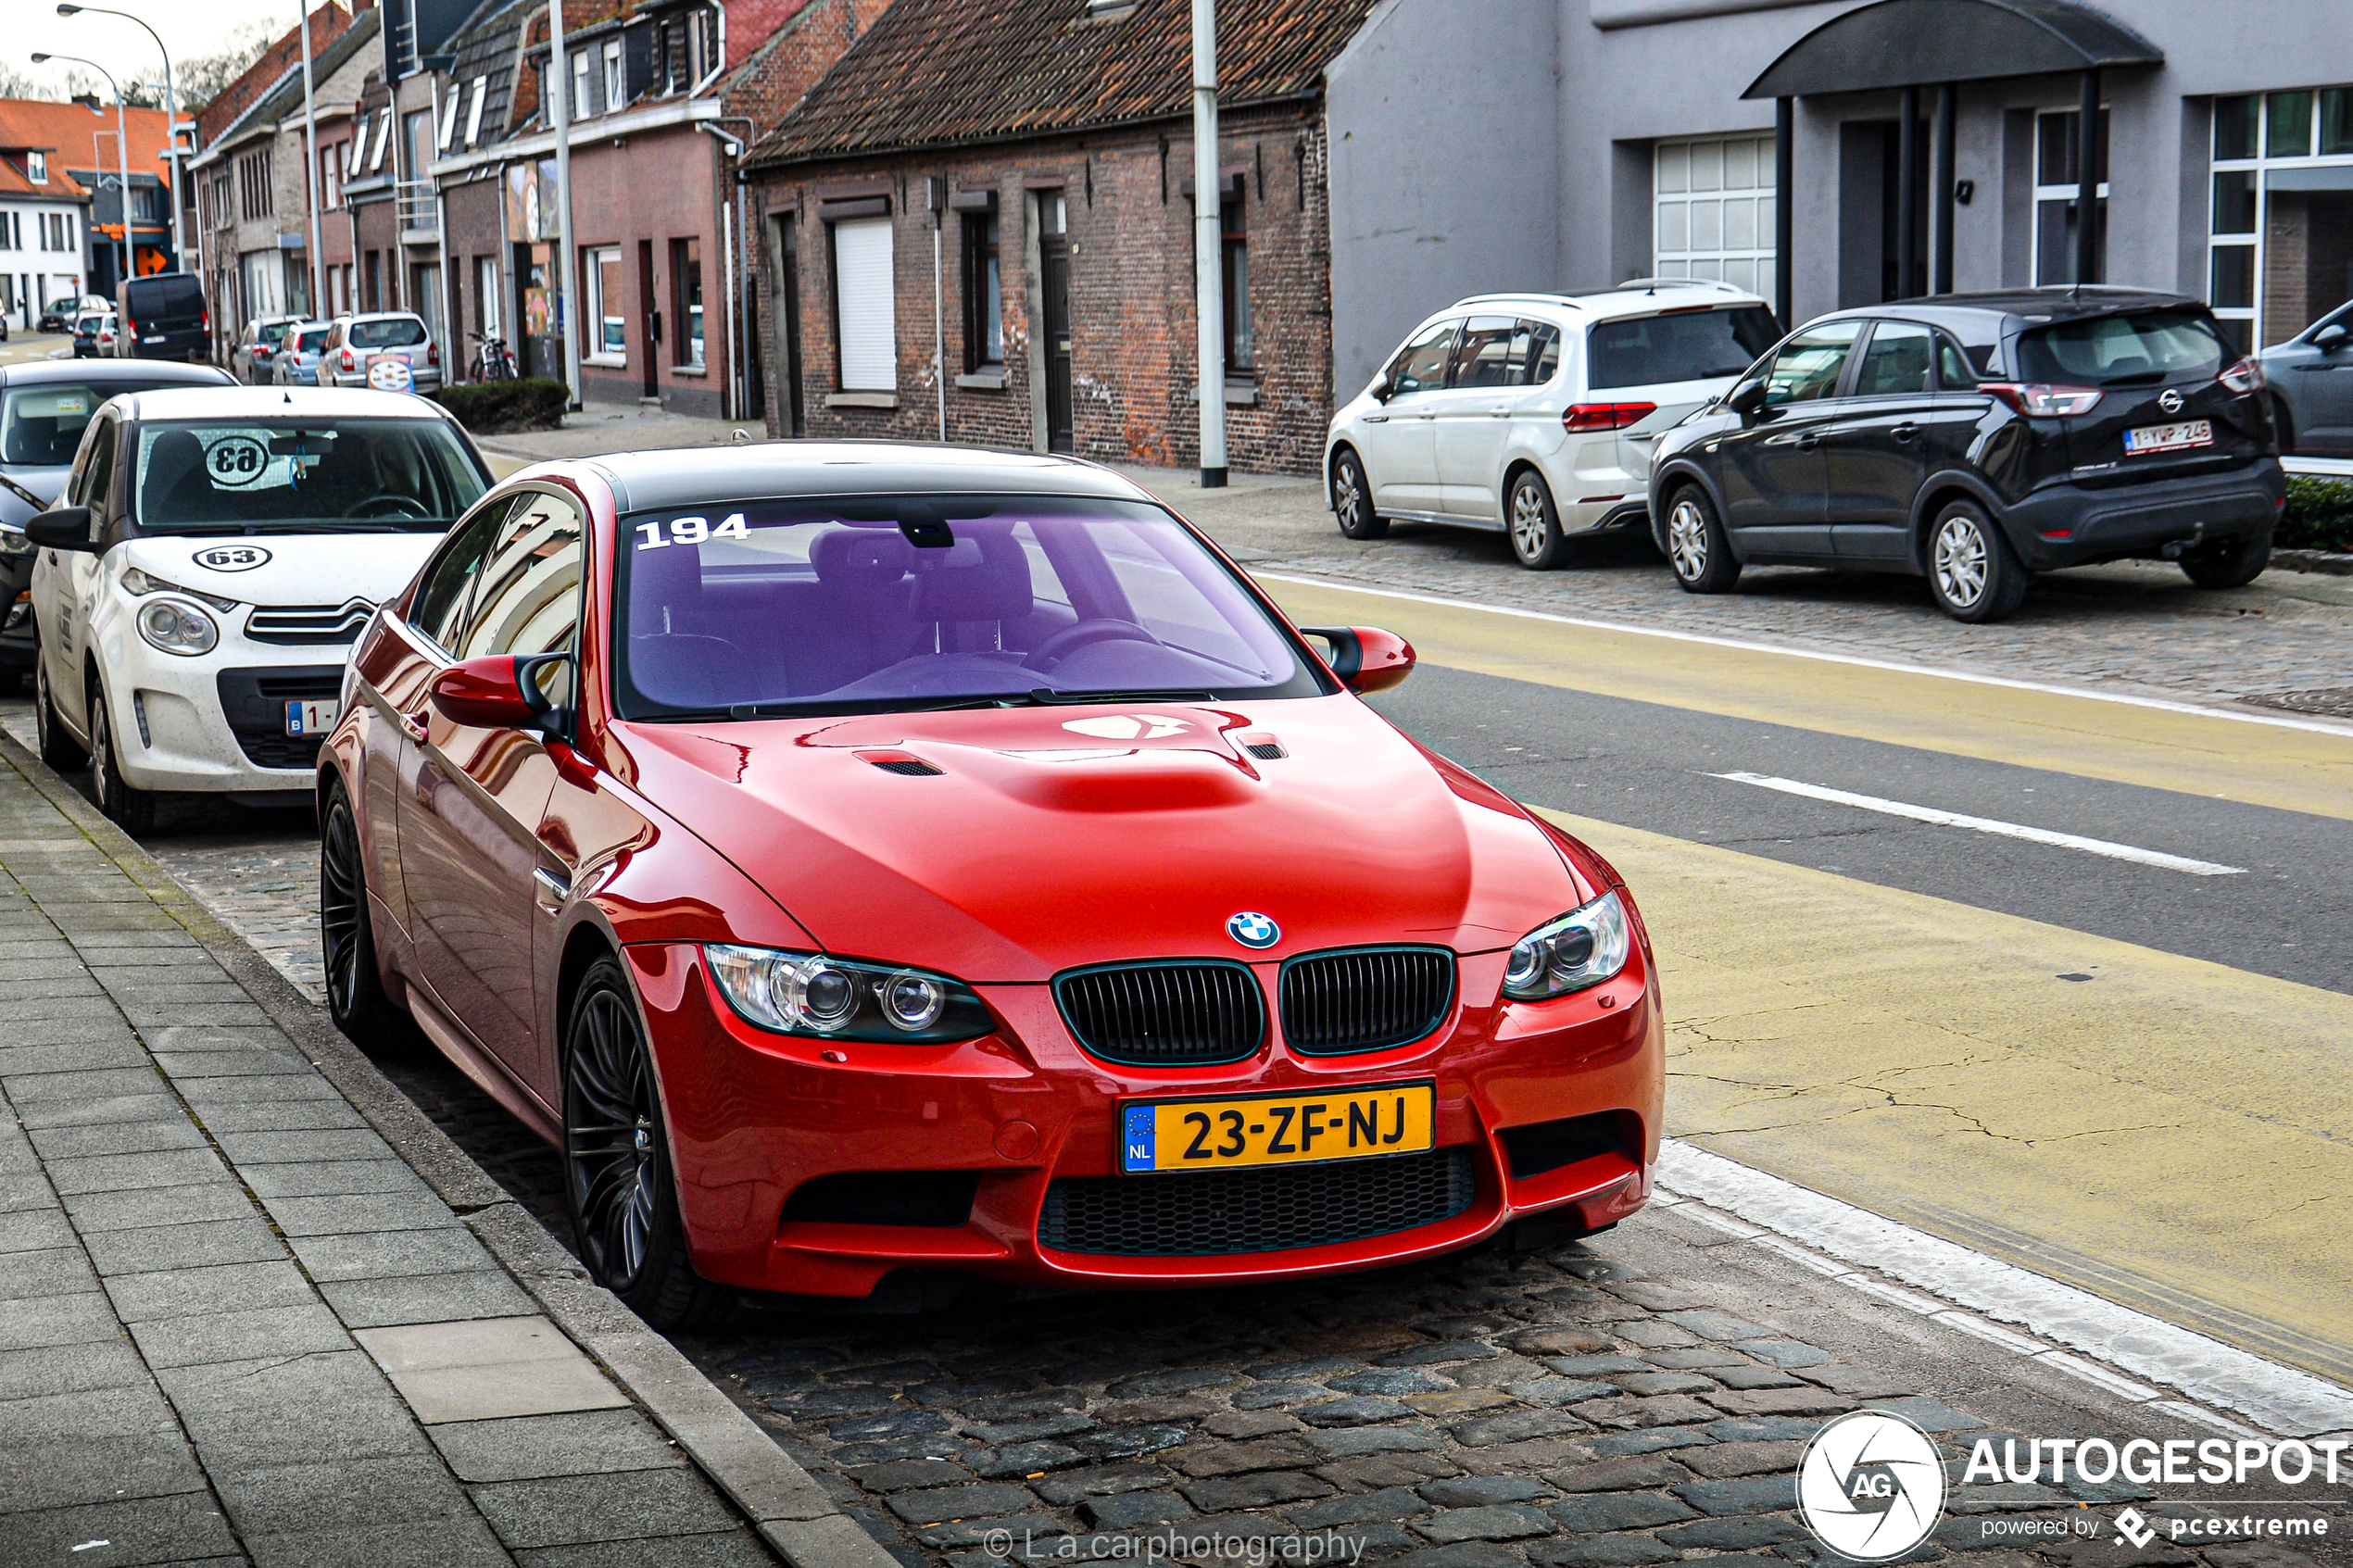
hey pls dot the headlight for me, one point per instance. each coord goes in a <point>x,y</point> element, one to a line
<point>1581,948</point>
<point>139,585</point>
<point>177,626</point>
<point>14,546</point>
<point>834,998</point>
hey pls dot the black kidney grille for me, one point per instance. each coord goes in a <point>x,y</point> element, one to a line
<point>1164,1014</point>
<point>1210,1213</point>
<point>1364,999</point>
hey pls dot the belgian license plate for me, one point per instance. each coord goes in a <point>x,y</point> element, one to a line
<point>1286,1129</point>
<point>311,718</point>
<point>2175,437</point>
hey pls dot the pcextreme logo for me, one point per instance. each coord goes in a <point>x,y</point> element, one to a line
<point>1870,1486</point>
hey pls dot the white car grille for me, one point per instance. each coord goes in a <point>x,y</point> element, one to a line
<point>301,624</point>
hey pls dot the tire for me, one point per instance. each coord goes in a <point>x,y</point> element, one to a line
<point>356,998</point>
<point>1972,571</point>
<point>1697,551</point>
<point>1534,523</point>
<point>2231,565</point>
<point>1353,500</point>
<point>619,1182</point>
<point>58,749</point>
<point>128,806</point>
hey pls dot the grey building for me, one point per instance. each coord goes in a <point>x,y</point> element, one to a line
<point>1487,145</point>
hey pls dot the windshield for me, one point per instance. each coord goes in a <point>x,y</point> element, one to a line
<point>398,332</point>
<point>272,331</point>
<point>1686,345</point>
<point>876,603</point>
<point>308,340</point>
<point>2145,345</point>
<point>235,476</point>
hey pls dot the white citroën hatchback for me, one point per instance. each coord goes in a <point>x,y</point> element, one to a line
<point>203,576</point>
<point>1535,413</point>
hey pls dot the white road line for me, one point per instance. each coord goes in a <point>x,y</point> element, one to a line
<point>2278,1398</point>
<point>2163,705</point>
<point>2113,850</point>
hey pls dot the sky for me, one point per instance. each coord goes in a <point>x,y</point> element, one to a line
<point>189,28</point>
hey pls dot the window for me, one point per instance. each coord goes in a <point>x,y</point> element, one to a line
<point>487,292</point>
<point>383,139</point>
<point>1687,346</point>
<point>1420,366</point>
<point>1808,364</point>
<point>608,331</point>
<point>616,93</point>
<point>1483,353</point>
<point>1712,210</point>
<point>416,128</point>
<point>439,607</point>
<point>2282,189</point>
<point>686,281</point>
<point>1241,343</point>
<point>444,138</point>
<point>526,596</point>
<point>984,293</point>
<point>1897,363</point>
<point>257,194</point>
<point>473,110</point>
<point>580,84</point>
<point>865,325</point>
<point>359,148</point>
<point>2057,188</point>
<point>36,168</point>
<point>330,176</point>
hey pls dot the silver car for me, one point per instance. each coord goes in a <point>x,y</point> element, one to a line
<point>252,360</point>
<point>296,361</point>
<point>389,350</point>
<point>2311,377</point>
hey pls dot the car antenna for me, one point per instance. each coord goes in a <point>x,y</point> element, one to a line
<point>289,396</point>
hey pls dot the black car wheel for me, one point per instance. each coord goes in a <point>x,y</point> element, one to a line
<point>127,805</point>
<point>1696,547</point>
<point>1353,500</point>
<point>1972,569</point>
<point>2231,564</point>
<point>356,998</point>
<point>58,749</point>
<point>1535,523</point>
<point>618,1178</point>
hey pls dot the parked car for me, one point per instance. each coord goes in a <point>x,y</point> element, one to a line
<point>2311,379</point>
<point>1534,414</point>
<point>1251,935</point>
<point>257,348</point>
<point>295,361</point>
<point>94,334</point>
<point>44,407</point>
<point>389,350</point>
<point>214,554</point>
<point>164,317</point>
<point>59,314</point>
<point>1977,439</point>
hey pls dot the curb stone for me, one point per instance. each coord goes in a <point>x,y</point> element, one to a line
<point>789,1509</point>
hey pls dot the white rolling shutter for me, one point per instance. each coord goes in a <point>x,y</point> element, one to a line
<point>865,305</point>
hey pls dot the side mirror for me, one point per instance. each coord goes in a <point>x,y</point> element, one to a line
<point>1747,399</point>
<point>498,692</point>
<point>1381,389</point>
<point>2330,337</point>
<point>62,528</point>
<point>1365,659</point>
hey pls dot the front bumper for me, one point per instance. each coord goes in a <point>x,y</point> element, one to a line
<point>18,646</point>
<point>214,724</point>
<point>2063,525</point>
<point>753,1117</point>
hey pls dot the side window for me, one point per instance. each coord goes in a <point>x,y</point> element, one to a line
<point>1420,366</point>
<point>1482,355</point>
<point>441,597</point>
<point>527,598</point>
<point>1808,364</point>
<point>1536,353</point>
<point>1952,371</point>
<point>1897,361</point>
<point>97,478</point>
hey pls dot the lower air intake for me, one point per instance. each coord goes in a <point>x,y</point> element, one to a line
<point>1212,1212</point>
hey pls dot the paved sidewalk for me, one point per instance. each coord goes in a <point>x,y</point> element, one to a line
<point>240,1327</point>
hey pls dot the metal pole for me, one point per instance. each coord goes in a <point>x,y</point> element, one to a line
<point>171,122</point>
<point>560,92</point>
<point>2087,175</point>
<point>122,158</point>
<point>1907,193</point>
<point>938,193</point>
<point>1784,202</point>
<point>1209,247</point>
<point>310,164</point>
<point>1940,184</point>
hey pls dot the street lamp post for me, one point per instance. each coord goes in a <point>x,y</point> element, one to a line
<point>1209,247</point>
<point>310,166</point>
<point>171,121</point>
<point>559,97</point>
<point>122,150</point>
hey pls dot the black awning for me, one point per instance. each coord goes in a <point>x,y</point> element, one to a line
<point>1921,43</point>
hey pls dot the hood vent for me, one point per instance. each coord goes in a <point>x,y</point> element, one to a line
<point>1267,750</point>
<point>901,762</point>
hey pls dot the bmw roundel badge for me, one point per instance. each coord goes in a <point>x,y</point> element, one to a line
<point>1254,930</point>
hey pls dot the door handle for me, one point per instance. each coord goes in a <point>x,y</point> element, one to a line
<point>1906,432</point>
<point>1808,441</point>
<point>549,889</point>
<point>413,725</point>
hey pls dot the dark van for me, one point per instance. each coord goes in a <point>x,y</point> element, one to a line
<point>163,318</point>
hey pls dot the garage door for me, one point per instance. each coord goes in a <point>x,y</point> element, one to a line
<point>1712,205</point>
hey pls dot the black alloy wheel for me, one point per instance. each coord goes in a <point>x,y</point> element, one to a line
<point>126,804</point>
<point>1353,500</point>
<point>1535,523</point>
<point>1702,558</point>
<point>617,1178</point>
<point>2231,564</point>
<point>1972,571</point>
<point>58,749</point>
<point>356,998</point>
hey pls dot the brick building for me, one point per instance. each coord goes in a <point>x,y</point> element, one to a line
<point>1041,150</point>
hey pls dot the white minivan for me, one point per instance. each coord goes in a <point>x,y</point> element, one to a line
<point>1535,413</point>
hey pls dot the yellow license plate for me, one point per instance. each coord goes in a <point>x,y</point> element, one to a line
<point>1287,1129</point>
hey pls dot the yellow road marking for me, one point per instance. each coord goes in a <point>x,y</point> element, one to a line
<point>2293,770</point>
<point>2174,1135</point>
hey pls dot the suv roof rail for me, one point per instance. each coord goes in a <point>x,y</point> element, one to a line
<point>1516,293</point>
<point>1654,284</point>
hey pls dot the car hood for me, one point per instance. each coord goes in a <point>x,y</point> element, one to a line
<point>302,569</point>
<point>1051,837</point>
<point>43,482</point>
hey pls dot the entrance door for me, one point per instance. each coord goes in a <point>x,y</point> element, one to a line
<point>1053,261</point>
<point>648,323</point>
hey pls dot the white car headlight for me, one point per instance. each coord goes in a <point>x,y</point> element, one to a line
<point>139,585</point>
<point>1581,949</point>
<point>176,626</point>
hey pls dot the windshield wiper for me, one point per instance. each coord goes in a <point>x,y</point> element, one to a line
<point>1046,697</point>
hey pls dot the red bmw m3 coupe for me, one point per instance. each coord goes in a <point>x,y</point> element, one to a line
<point>865,859</point>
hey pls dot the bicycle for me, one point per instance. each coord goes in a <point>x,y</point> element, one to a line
<point>491,360</point>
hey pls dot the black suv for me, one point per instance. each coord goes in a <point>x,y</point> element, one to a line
<point>1975,439</point>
